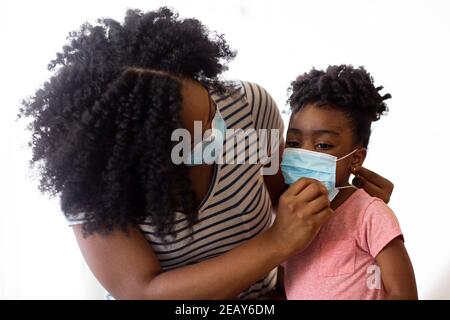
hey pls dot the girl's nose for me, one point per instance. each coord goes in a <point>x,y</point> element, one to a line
<point>308,145</point>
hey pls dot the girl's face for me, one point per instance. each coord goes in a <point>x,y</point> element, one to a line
<point>327,130</point>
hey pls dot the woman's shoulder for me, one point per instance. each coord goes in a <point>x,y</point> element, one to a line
<point>237,88</point>
<point>255,91</point>
<point>265,112</point>
<point>251,99</point>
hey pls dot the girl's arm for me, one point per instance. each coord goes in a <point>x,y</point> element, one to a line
<point>397,272</point>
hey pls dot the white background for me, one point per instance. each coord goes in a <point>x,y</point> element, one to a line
<point>404,44</point>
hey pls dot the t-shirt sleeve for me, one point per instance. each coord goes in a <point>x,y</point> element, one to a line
<point>265,112</point>
<point>379,227</point>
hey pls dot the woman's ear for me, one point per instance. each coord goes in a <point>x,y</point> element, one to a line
<point>358,159</point>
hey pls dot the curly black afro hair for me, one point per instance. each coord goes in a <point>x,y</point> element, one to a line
<point>346,88</point>
<point>101,126</point>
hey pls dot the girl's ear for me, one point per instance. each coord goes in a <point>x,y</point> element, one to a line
<point>358,159</point>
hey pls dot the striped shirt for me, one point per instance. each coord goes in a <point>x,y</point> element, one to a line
<point>237,206</point>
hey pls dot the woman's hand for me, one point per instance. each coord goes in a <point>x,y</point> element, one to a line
<point>302,209</point>
<point>374,184</point>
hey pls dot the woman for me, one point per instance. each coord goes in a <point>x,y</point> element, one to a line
<point>147,227</point>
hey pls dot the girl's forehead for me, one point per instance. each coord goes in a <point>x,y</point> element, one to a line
<point>311,117</point>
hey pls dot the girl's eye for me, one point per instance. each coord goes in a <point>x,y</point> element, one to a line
<point>324,146</point>
<point>292,144</point>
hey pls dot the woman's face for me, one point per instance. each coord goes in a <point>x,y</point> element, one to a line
<point>327,130</point>
<point>196,106</point>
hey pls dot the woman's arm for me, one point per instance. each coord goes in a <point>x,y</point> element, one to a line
<point>128,268</point>
<point>397,272</point>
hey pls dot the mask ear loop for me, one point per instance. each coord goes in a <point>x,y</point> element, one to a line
<point>347,187</point>
<point>348,155</point>
<point>350,186</point>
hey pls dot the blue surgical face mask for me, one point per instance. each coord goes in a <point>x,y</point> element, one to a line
<point>300,163</point>
<point>207,150</point>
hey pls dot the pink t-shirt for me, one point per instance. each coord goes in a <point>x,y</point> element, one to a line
<point>340,262</point>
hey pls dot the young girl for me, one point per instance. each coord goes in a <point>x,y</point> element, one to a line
<point>359,253</point>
